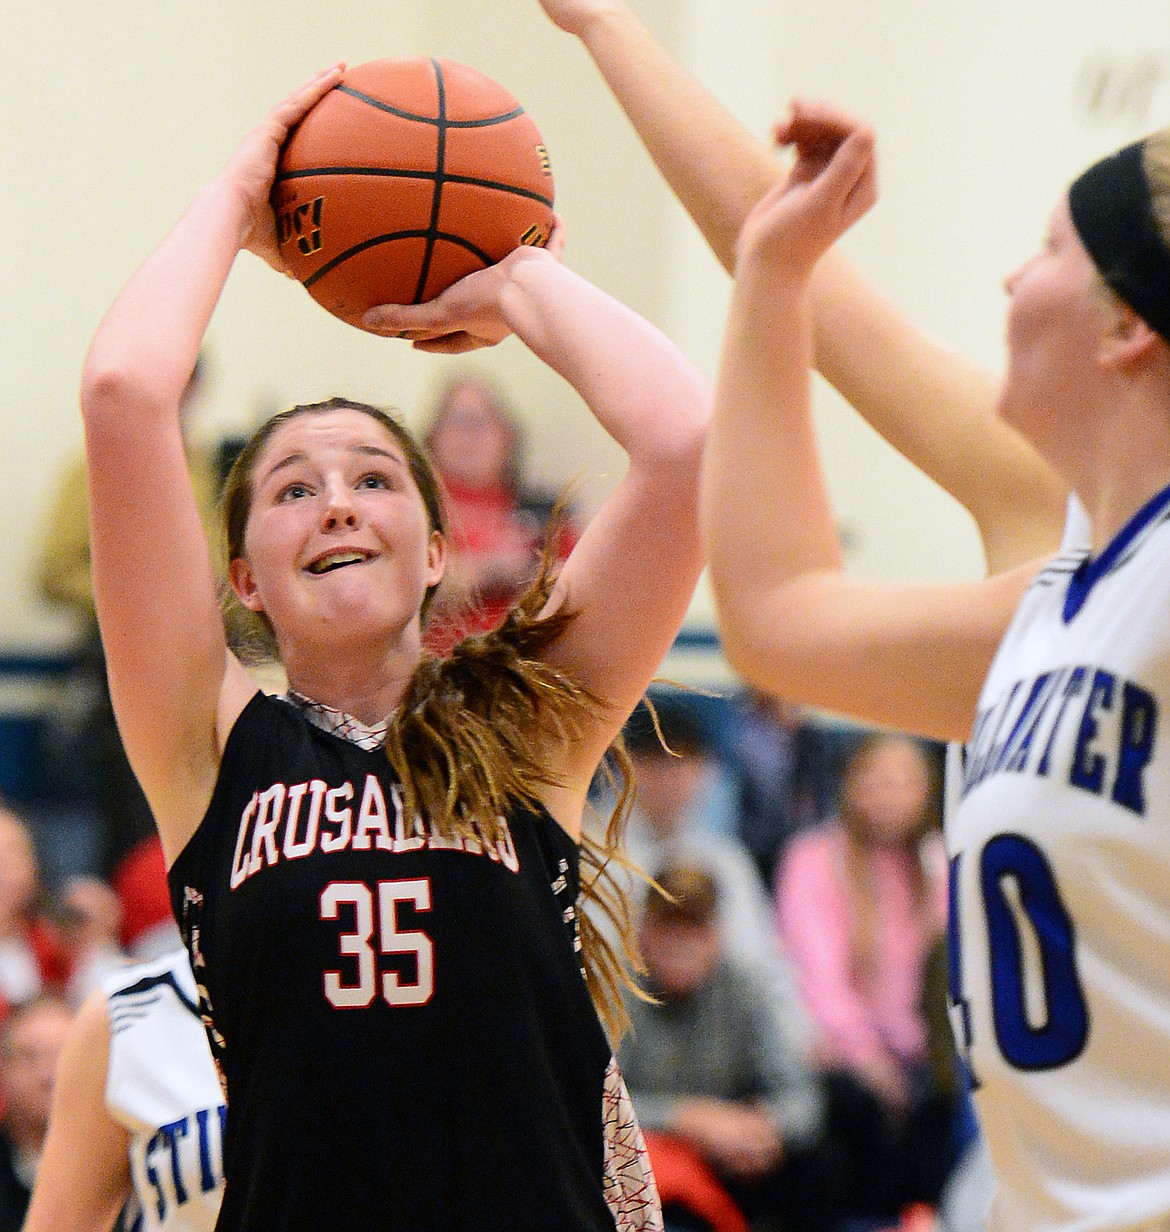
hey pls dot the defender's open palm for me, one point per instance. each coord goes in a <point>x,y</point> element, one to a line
<point>832,183</point>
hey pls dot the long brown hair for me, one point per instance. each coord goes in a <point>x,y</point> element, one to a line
<point>467,737</point>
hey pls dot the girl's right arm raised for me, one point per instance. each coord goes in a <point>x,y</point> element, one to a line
<point>911,657</point>
<point>175,688</point>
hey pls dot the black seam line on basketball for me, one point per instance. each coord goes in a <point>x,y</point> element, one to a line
<point>440,158</point>
<point>486,122</point>
<point>399,173</point>
<point>396,235</point>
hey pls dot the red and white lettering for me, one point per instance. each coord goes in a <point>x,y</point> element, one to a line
<point>268,810</point>
<point>295,848</point>
<point>242,865</point>
<point>342,818</point>
<point>355,944</point>
<point>372,818</point>
<point>358,943</point>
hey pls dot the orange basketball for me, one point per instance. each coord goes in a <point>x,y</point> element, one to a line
<point>406,176</point>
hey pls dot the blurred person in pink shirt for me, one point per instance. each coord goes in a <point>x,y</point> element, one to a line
<point>861,900</point>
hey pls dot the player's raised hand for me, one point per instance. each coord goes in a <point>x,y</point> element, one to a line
<point>832,183</point>
<point>252,167</point>
<point>573,16</point>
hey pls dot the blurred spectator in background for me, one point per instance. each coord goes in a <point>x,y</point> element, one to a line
<point>30,1045</point>
<point>729,1106</point>
<point>862,904</point>
<point>682,805</point>
<point>85,762</point>
<point>787,767</point>
<point>497,520</point>
<point>64,947</point>
<point>148,929</point>
<point>32,953</point>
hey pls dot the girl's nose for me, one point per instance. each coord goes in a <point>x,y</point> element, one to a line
<point>1012,280</point>
<point>340,509</point>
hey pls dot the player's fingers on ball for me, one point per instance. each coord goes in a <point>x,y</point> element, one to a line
<point>310,93</point>
<point>398,319</point>
<point>323,80</point>
<point>557,237</point>
<point>458,343</point>
<point>422,335</point>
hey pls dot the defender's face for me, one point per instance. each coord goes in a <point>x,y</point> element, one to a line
<point>1057,313</point>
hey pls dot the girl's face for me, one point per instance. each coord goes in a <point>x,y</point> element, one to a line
<point>1058,313</point>
<point>18,872</point>
<point>338,546</point>
<point>887,792</point>
<point>680,954</point>
<point>472,442</point>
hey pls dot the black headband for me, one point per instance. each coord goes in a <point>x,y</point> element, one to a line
<point>1113,213</point>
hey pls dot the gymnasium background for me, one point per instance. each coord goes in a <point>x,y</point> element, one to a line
<point>113,115</point>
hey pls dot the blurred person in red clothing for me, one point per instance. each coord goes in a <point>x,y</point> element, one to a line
<point>33,957</point>
<point>498,522</point>
<point>62,947</point>
<point>148,929</point>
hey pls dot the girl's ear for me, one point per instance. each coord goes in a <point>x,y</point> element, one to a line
<point>244,584</point>
<point>436,559</point>
<point>1130,339</point>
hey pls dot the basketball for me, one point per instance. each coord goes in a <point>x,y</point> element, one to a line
<point>408,175</point>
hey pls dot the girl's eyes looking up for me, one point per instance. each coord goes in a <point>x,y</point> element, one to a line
<point>293,491</point>
<point>376,479</point>
<point>298,489</point>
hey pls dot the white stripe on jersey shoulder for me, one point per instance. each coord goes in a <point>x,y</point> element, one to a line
<point>132,991</point>
<point>1060,567</point>
<point>1074,545</point>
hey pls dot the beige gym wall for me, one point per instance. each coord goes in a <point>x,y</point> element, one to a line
<point>112,116</point>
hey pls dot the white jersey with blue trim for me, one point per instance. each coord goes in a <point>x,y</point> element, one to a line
<point>162,1085</point>
<point>1059,844</point>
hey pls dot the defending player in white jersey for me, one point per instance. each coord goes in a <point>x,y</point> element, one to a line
<point>138,1114</point>
<point>1060,845</point>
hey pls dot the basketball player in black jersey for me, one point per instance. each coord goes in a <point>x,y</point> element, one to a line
<point>377,874</point>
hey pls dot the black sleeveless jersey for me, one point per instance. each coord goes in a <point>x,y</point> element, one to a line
<point>400,1020</point>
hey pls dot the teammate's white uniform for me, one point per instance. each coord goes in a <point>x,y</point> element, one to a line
<point>162,1086</point>
<point>1060,884</point>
